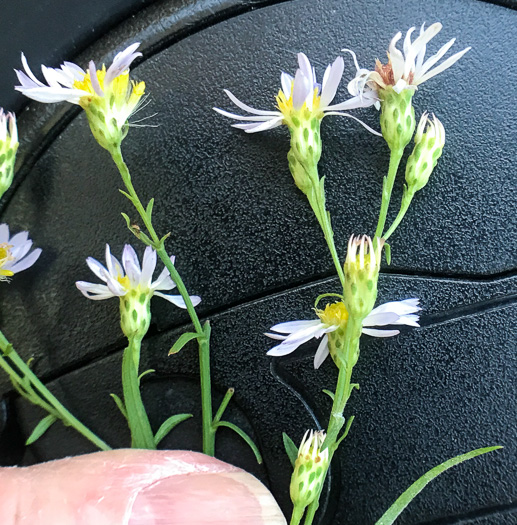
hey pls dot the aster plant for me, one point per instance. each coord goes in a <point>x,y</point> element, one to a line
<point>302,104</point>
<point>341,317</point>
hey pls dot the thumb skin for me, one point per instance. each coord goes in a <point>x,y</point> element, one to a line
<point>135,487</point>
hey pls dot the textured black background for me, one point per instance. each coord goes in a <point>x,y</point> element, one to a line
<point>246,242</point>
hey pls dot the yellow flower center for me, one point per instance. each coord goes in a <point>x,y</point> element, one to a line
<point>121,88</point>
<point>334,314</point>
<point>5,256</point>
<point>285,104</point>
<point>124,281</point>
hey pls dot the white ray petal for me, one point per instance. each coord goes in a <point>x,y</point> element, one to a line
<point>178,300</point>
<point>380,333</point>
<point>97,268</point>
<point>255,128</point>
<point>443,66</point>
<point>293,326</point>
<point>381,319</point>
<point>257,118</point>
<point>302,88</point>
<point>397,59</point>
<point>371,130</point>
<point>322,352</point>
<point>247,108</point>
<point>287,81</point>
<point>148,267</point>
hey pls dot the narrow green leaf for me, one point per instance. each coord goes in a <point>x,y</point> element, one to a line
<point>119,404</point>
<point>323,295</point>
<point>150,371</point>
<point>349,422</point>
<point>149,209</point>
<point>41,428</point>
<point>207,329</point>
<point>182,341</point>
<point>329,393</point>
<point>168,425</point>
<point>244,436</point>
<point>126,195</point>
<point>405,499</point>
<point>387,251</point>
<point>290,448</point>
<point>127,219</point>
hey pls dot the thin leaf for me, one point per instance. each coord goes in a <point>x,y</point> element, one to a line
<point>329,393</point>
<point>244,436</point>
<point>41,428</point>
<point>405,499</point>
<point>290,448</point>
<point>150,371</point>
<point>349,422</point>
<point>126,195</point>
<point>119,404</point>
<point>323,295</point>
<point>182,341</point>
<point>387,251</point>
<point>168,425</point>
<point>149,209</point>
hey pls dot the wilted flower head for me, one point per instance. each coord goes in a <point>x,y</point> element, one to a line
<point>8,148</point>
<point>108,96</point>
<point>14,253</point>
<point>407,69</point>
<point>332,324</point>
<point>133,285</point>
<point>300,98</point>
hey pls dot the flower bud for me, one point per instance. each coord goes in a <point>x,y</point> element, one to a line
<point>361,268</point>
<point>8,148</point>
<point>310,469</point>
<point>397,117</point>
<point>135,312</point>
<point>428,149</point>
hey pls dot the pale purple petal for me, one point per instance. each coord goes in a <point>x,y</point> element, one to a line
<point>248,118</point>
<point>21,249</point>
<point>121,63</point>
<point>148,267</point>
<point>97,292</point>
<point>371,130</point>
<point>164,281</point>
<point>26,262</point>
<point>131,264</point>
<point>331,82</point>
<point>4,233</point>
<point>94,80</point>
<point>97,268</point>
<point>19,238</point>
<point>302,89</point>
<point>306,69</point>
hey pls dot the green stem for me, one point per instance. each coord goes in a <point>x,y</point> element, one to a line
<point>204,342</point>
<point>387,188</point>
<point>404,206</point>
<point>341,397</point>
<point>317,201</point>
<point>141,433</point>
<point>297,515</point>
<point>48,398</point>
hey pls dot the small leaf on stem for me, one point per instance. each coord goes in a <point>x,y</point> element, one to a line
<point>168,425</point>
<point>41,428</point>
<point>290,448</point>
<point>182,341</point>
<point>244,436</point>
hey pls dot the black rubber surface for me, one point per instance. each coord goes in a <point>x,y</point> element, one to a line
<point>245,241</point>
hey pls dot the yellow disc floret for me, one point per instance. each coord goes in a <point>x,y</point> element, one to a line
<point>5,256</point>
<point>334,314</point>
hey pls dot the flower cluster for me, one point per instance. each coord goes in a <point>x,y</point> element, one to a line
<point>108,96</point>
<point>133,285</point>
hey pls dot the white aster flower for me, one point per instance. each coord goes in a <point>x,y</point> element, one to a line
<point>335,316</point>
<point>300,98</point>
<point>123,278</point>
<point>14,253</point>
<point>404,70</point>
<point>108,96</point>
